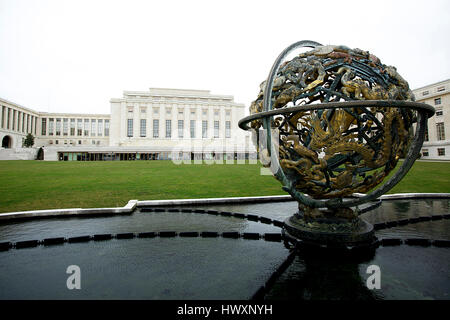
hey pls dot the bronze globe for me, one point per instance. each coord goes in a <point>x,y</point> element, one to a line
<point>337,122</point>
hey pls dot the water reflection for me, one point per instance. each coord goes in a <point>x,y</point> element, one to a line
<point>157,268</point>
<point>135,222</point>
<point>182,268</point>
<point>324,277</point>
<point>402,207</point>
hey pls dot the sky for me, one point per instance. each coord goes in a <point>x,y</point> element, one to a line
<point>74,56</point>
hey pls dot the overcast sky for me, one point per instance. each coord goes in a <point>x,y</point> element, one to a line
<point>74,56</point>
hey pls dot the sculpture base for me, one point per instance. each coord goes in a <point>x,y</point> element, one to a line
<point>330,232</point>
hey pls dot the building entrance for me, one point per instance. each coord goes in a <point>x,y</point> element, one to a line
<point>6,142</point>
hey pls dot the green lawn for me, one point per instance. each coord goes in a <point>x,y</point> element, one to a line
<point>34,185</point>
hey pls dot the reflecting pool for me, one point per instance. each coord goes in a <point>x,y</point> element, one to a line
<point>208,256</point>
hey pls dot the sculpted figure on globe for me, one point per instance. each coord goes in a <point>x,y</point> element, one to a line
<point>343,120</point>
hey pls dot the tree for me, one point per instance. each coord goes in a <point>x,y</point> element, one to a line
<point>29,141</point>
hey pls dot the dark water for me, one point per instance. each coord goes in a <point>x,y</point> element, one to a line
<point>159,268</point>
<point>136,222</point>
<point>220,268</point>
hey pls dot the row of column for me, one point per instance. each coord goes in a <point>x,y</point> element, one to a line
<point>173,130</point>
<point>75,127</point>
<point>18,121</point>
<point>174,116</point>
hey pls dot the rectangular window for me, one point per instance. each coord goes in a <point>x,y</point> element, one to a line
<point>18,121</point>
<point>192,129</point>
<point>143,110</point>
<point>205,112</point>
<point>216,129</point>
<point>180,128</point>
<point>437,101</point>
<point>106,128</point>
<point>7,120</point>
<point>168,128</point>
<point>143,128</point>
<point>427,138</point>
<point>439,112</point>
<point>155,128</point>
<point>439,89</point>
<point>425,153</point>
<point>440,131</point>
<point>130,128</point>
<point>50,126</point>
<point>58,127</point>
<point>79,127</point>
<point>44,127</point>
<point>441,151</point>
<point>425,93</point>
<point>65,127</point>
<point>19,115</point>
<point>227,129</point>
<point>228,113</point>
<point>72,127</point>
<point>14,120</point>
<point>100,128</point>
<point>93,127</point>
<point>204,129</point>
<point>86,127</point>
<point>3,117</point>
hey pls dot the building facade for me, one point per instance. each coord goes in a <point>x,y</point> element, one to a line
<point>187,124</point>
<point>437,138</point>
<point>15,123</point>
<point>174,124</point>
<point>160,123</point>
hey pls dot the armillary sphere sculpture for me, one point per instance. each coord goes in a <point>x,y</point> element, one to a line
<point>336,121</point>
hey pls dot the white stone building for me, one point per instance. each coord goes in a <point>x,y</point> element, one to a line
<point>168,124</point>
<point>437,139</point>
<point>143,125</point>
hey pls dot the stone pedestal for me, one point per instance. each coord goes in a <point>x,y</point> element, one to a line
<point>332,232</point>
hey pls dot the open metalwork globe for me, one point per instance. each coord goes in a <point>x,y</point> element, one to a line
<point>336,121</point>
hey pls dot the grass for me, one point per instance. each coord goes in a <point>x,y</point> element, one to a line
<point>36,185</point>
<point>433,177</point>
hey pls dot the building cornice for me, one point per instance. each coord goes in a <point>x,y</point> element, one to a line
<point>432,85</point>
<point>19,106</point>
<point>440,143</point>
<point>73,115</point>
<point>177,93</point>
<point>177,101</point>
